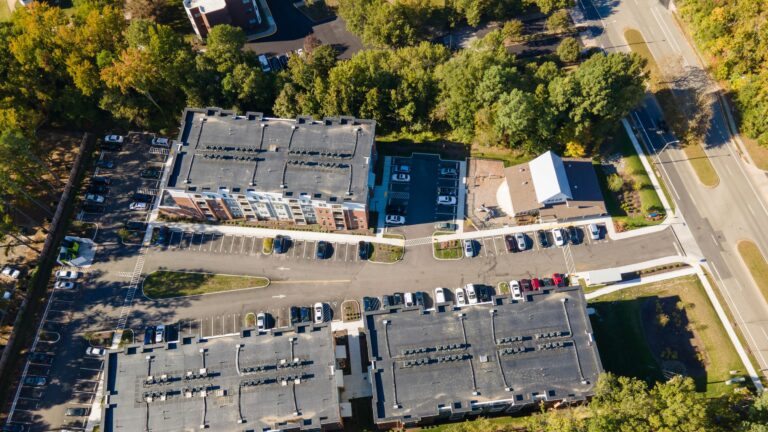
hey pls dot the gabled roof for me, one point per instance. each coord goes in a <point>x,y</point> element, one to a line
<point>549,177</point>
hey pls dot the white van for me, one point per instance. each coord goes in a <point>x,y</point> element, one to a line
<point>439,295</point>
<point>408,299</point>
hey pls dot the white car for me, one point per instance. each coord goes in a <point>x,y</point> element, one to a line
<point>118,139</point>
<point>95,351</point>
<point>514,287</point>
<point>439,295</point>
<point>448,172</point>
<point>11,272</point>
<point>159,333</point>
<point>395,219</point>
<point>94,198</point>
<point>594,231</point>
<point>261,321</point>
<point>137,205</point>
<point>67,275</point>
<point>471,294</point>
<point>469,248</point>
<point>408,299</point>
<point>461,299</point>
<point>64,285</point>
<point>520,240</point>
<point>161,142</point>
<point>319,313</point>
<point>446,200</point>
<point>400,177</point>
<point>557,234</point>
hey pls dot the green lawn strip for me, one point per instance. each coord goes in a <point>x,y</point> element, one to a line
<point>679,123</point>
<point>624,349</point>
<point>450,250</point>
<point>509,158</point>
<point>755,262</point>
<point>168,284</point>
<point>385,253</point>
<point>503,287</point>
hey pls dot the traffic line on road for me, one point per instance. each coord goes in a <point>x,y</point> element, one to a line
<point>321,282</point>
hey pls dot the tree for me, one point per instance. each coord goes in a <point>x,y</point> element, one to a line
<point>615,183</point>
<point>516,117</point>
<point>559,21</point>
<point>146,9</point>
<point>547,6</point>
<point>568,51</point>
<point>513,30</point>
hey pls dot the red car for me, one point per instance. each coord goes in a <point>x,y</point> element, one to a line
<point>536,283</point>
<point>559,279</point>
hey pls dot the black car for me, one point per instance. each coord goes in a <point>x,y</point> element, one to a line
<point>363,250</point>
<point>306,314</point>
<point>98,189</point>
<point>93,208</point>
<point>418,298</point>
<point>142,197</point>
<point>41,358</point>
<point>543,240</point>
<point>275,64</point>
<point>386,301</point>
<point>150,173</point>
<point>574,234</point>
<point>323,249</point>
<point>105,181</point>
<point>105,163</point>
<point>525,284</point>
<point>283,60</point>
<point>510,242</point>
<point>280,244</point>
<point>370,303</point>
<point>397,298</point>
<point>295,315</point>
<point>134,225</point>
<point>483,293</point>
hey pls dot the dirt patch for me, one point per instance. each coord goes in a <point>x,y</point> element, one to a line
<point>669,333</point>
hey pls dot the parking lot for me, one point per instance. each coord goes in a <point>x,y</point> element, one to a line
<point>424,177</point>
<point>501,245</point>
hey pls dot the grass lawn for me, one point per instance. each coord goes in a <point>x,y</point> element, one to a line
<point>623,333</point>
<point>759,153</point>
<point>386,253</point>
<point>649,199</point>
<point>169,284</point>
<point>5,11</point>
<point>507,156</point>
<point>492,424</point>
<point>447,250</point>
<point>755,262</point>
<point>503,287</point>
<point>694,151</point>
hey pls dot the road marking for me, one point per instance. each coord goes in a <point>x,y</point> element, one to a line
<point>749,207</point>
<point>668,35</point>
<point>283,268</point>
<point>714,239</point>
<point>330,281</point>
<point>494,246</point>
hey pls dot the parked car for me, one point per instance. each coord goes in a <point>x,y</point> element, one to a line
<point>280,244</point>
<point>395,219</point>
<point>319,312</point>
<point>520,240</point>
<point>261,321</point>
<point>274,63</point>
<point>35,381</point>
<point>445,226</point>
<point>295,315</point>
<point>370,304</point>
<point>306,314</point>
<point>574,235</point>
<point>149,335</point>
<point>264,63</point>
<point>98,199</point>
<point>363,250</point>
<point>93,208</point>
<point>41,358</point>
<point>471,293</point>
<point>142,197</point>
<point>408,299</point>
<point>461,299</point>
<point>439,295</point>
<point>106,164</point>
<point>386,301</point>
<point>559,279</point>
<point>543,240</point>
<point>400,177</point>
<point>67,275</point>
<point>11,272</point>
<point>98,180</point>
<point>163,233</point>
<point>117,139</point>
<point>510,243</point>
<point>451,172</point>
<point>514,288</point>
<point>418,298</point>
<point>64,285</point>
<point>140,206</point>
<point>161,142</point>
<point>95,351</point>
<point>525,284</point>
<point>323,249</point>
<point>536,284</point>
<point>159,333</point>
<point>77,412</point>
<point>557,234</point>
<point>594,231</point>
<point>151,173</point>
<point>397,298</point>
<point>484,293</point>
<point>446,200</point>
<point>283,59</point>
<point>548,282</point>
<point>98,189</point>
<point>402,168</point>
<point>469,249</point>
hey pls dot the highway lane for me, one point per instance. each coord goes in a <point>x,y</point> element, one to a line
<point>717,217</point>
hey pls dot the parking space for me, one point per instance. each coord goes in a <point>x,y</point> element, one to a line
<point>437,185</point>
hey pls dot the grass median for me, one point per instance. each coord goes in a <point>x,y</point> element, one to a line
<point>755,262</point>
<point>677,119</point>
<point>169,284</point>
<point>653,330</point>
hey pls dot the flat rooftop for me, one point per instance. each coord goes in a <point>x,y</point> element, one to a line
<point>274,381</point>
<point>328,159</point>
<point>457,359</point>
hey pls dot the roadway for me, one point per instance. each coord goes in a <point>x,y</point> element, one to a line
<point>716,219</point>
